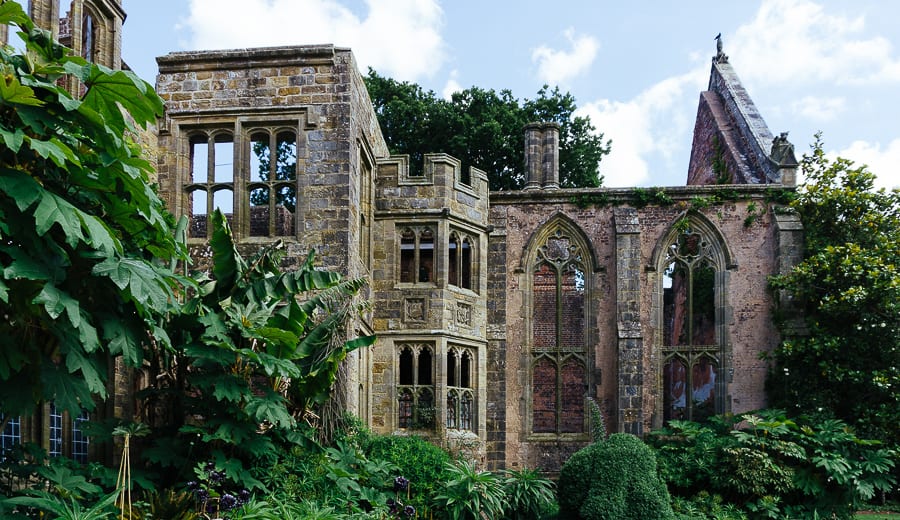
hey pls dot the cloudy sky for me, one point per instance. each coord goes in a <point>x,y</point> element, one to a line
<point>810,65</point>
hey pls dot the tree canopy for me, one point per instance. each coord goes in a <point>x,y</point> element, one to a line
<point>849,285</point>
<point>485,129</point>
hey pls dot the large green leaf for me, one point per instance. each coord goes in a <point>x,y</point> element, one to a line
<point>21,187</point>
<point>12,13</point>
<point>56,302</point>
<point>230,389</point>
<point>13,139</point>
<point>109,90</point>
<point>122,341</point>
<point>53,209</point>
<point>68,393</point>
<point>145,282</point>
<point>228,265</point>
<point>13,92</point>
<point>271,408</point>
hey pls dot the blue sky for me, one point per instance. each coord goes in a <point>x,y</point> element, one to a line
<point>809,65</point>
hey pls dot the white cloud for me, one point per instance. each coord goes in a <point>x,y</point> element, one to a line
<point>657,122</point>
<point>452,85</point>
<point>819,108</point>
<point>883,163</point>
<point>559,66</point>
<point>797,42</point>
<point>399,38</point>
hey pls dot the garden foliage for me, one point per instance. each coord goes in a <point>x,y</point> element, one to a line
<point>81,229</point>
<point>771,465</point>
<point>613,479</point>
<point>254,349</point>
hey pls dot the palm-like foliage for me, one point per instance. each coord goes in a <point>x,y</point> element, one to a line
<point>255,349</point>
<point>470,492</point>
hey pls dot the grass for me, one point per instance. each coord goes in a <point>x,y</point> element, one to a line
<point>878,516</point>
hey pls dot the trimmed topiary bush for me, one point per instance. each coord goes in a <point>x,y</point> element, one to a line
<point>616,479</point>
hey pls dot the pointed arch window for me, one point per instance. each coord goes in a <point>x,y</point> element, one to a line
<point>417,254</point>
<point>559,355</point>
<point>459,266</point>
<point>416,405</point>
<point>460,394</point>
<point>692,344</point>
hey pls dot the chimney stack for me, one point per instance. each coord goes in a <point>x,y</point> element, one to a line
<point>542,156</point>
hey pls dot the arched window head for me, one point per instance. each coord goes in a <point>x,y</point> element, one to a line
<point>415,386</point>
<point>559,378</point>
<point>417,255</point>
<point>459,266</point>
<point>692,263</point>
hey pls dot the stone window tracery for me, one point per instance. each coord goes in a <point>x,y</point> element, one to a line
<point>263,182</point>
<point>272,183</point>
<point>417,254</point>
<point>691,339</point>
<point>460,394</point>
<point>558,342</point>
<point>460,249</point>
<point>416,402</point>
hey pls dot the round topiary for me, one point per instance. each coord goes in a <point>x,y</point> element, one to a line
<point>616,479</point>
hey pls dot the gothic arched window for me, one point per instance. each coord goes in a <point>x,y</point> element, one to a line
<point>691,335</point>
<point>416,406</point>
<point>417,254</point>
<point>460,394</point>
<point>558,344</point>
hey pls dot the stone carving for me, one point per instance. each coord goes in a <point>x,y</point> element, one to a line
<point>783,151</point>
<point>415,309</point>
<point>720,56</point>
<point>464,314</point>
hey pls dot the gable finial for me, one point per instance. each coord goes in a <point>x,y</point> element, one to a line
<point>720,56</point>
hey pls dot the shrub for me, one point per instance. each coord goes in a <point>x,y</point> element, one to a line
<point>416,459</point>
<point>775,466</point>
<point>616,479</point>
<point>469,494</point>
<point>527,494</point>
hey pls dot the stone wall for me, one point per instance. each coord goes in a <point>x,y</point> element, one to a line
<point>625,293</point>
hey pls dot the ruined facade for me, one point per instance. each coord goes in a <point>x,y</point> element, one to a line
<point>499,315</point>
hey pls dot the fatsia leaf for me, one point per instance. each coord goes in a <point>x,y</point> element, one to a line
<point>122,341</point>
<point>68,393</point>
<point>4,292</point>
<point>99,235</point>
<point>56,302</point>
<point>12,359</point>
<point>13,139</point>
<point>53,209</point>
<point>274,366</point>
<point>230,388</point>
<point>76,361</point>
<point>54,149</point>
<point>25,267</point>
<point>12,13</point>
<point>145,283</point>
<point>108,90</point>
<point>21,187</point>
<point>270,407</point>
<point>13,92</point>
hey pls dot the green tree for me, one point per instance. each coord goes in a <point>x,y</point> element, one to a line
<point>484,128</point>
<point>848,366</point>
<point>80,225</point>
